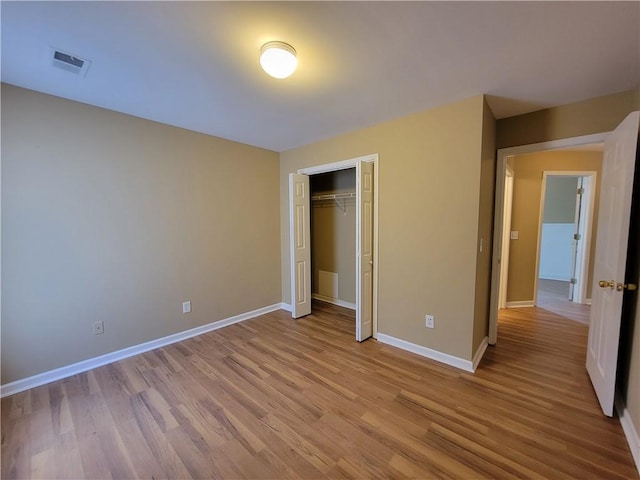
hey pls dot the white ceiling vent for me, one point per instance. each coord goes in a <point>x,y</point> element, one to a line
<point>69,62</point>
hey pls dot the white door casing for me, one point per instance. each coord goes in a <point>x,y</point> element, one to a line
<point>364,250</point>
<point>576,239</point>
<point>506,227</point>
<point>300,237</point>
<point>611,254</point>
<point>585,228</point>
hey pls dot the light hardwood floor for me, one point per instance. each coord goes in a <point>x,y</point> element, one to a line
<point>553,295</point>
<point>276,398</point>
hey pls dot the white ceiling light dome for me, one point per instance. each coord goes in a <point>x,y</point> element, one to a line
<point>278,59</point>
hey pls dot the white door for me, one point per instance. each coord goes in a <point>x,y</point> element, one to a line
<point>577,239</point>
<point>364,250</point>
<point>300,237</point>
<point>611,255</point>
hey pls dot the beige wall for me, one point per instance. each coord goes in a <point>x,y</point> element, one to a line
<point>429,185</point>
<point>333,232</point>
<point>485,228</point>
<point>527,192</point>
<point>596,115</point>
<point>591,116</point>
<point>114,218</point>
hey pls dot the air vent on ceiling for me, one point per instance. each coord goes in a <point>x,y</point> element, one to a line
<point>69,62</point>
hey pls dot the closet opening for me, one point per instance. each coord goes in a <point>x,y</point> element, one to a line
<point>333,239</point>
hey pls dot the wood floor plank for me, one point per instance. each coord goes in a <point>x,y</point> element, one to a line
<point>277,398</point>
<point>157,442</point>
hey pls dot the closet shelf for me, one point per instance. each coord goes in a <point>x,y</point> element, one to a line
<point>336,196</point>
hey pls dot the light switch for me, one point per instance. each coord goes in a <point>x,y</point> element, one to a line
<point>514,235</point>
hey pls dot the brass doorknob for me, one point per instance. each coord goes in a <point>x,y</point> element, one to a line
<point>628,286</point>
<point>607,284</point>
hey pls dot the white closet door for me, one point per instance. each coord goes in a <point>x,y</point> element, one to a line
<point>364,250</point>
<point>300,237</point>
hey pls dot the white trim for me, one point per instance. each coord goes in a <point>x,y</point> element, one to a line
<point>91,363</point>
<point>286,307</point>
<point>501,164</point>
<point>445,358</point>
<point>479,353</point>
<point>335,166</point>
<point>586,230</point>
<point>552,276</point>
<point>334,301</point>
<point>506,239</point>
<point>554,144</point>
<point>629,429</point>
<point>587,301</point>
<point>521,304</point>
<point>376,209</point>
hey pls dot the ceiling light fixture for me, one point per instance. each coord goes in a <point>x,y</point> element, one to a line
<point>278,59</point>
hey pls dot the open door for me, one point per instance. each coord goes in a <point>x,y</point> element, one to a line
<point>300,237</point>
<point>364,250</point>
<point>611,254</point>
<point>577,239</point>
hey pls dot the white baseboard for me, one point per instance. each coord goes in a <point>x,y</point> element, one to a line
<point>520,304</point>
<point>334,301</point>
<point>633,439</point>
<point>91,363</point>
<point>286,306</point>
<point>554,276</point>
<point>445,358</point>
<point>479,353</point>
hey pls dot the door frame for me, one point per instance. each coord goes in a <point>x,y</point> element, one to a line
<point>343,165</point>
<point>506,237</point>
<point>584,229</point>
<point>501,164</point>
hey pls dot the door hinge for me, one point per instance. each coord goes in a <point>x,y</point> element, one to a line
<point>577,236</point>
<point>573,281</point>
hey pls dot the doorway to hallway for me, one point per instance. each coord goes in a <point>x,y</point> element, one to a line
<point>553,296</point>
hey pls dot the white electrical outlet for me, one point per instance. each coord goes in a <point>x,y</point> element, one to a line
<point>98,328</point>
<point>186,307</point>
<point>429,321</point>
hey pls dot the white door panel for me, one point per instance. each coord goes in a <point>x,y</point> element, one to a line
<point>611,254</point>
<point>300,237</point>
<point>364,254</point>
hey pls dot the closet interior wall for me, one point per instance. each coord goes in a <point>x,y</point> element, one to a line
<point>333,237</point>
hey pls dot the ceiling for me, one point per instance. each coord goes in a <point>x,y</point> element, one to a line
<point>195,64</point>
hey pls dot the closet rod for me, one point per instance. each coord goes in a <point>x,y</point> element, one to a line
<point>334,196</point>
